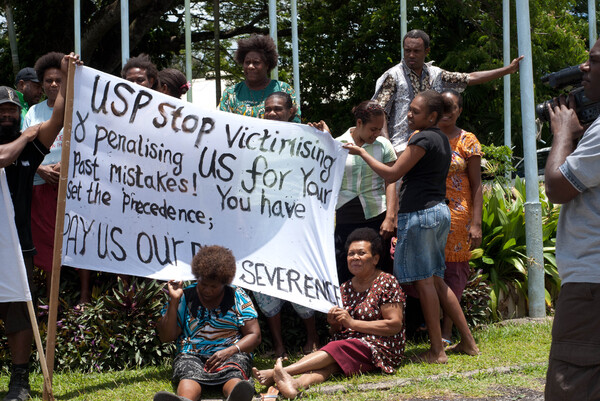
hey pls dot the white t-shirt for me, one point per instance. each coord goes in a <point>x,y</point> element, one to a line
<point>578,235</point>
<point>39,113</point>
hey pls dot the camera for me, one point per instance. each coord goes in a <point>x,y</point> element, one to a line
<point>587,111</point>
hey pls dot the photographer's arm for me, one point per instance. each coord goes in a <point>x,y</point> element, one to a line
<point>566,129</point>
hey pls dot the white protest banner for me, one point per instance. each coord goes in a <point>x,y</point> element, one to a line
<point>13,286</point>
<point>152,178</point>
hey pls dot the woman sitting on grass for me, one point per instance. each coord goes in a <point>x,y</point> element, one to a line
<point>215,328</point>
<point>367,333</point>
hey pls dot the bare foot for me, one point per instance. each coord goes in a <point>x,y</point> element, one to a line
<point>430,357</point>
<point>310,346</point>
<point>285,383</point>
<point>464,348</point>
<point>264,377</point>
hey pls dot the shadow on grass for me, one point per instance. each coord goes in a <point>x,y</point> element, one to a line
<point>161,373</point>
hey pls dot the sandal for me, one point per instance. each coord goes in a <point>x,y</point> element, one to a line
<point>271,394</point>
<point>446,343</point>
<point>242,391</point>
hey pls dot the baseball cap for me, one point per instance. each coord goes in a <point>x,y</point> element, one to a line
<point>26,74</point>
<point>9,95</point>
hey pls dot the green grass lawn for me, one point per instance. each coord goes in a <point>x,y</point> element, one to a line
<point>513,356</point>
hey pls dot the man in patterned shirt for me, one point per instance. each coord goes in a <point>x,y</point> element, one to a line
<point>397,87</point>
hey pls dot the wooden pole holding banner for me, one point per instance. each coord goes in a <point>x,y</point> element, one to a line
<point>38,343</point>
<point>58,231</point>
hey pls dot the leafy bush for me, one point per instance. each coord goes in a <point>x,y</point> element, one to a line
<point>475,300</point>
<point>502,256</point>
<point>116,331</point>
<point>496,162</point>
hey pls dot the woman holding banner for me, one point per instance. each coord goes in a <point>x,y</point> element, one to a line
<point>215,328</point>
<point>367,333</point>
<point>365,199</point>
<point>258,56</point>
<point>280,107</point>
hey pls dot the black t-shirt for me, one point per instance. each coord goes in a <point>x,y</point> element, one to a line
<point>20,183</point>
<point>424,186</point>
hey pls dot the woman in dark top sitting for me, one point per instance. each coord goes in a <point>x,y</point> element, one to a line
<point>424,220</point>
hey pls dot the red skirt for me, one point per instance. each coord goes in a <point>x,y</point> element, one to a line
<point>43,221</point>
<point>353,356</point>
<point>456,277</point>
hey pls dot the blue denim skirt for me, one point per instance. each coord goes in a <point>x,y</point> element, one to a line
<point>422,238</point>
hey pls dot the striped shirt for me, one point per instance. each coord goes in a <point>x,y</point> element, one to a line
<point>206,331</point>
<point>361,181</point>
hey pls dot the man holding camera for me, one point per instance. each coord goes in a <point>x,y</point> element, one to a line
<point>572,179</point>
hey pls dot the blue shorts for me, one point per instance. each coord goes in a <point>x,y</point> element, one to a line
<point>271,306</point>
<point>422,238</point>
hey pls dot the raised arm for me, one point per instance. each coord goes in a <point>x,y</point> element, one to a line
<point>403,165</point>
<point>480,77</point>
<point>168,329</point>
<point>566,129</point>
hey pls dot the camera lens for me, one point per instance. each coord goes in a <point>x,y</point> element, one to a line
<point>541,110</point>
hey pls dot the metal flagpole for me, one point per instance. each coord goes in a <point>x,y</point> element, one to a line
<point>533,209</point>
<point>124,31</point>
<point>273,31</point>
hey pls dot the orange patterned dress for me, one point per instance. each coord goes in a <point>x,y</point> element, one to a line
<point>458,192</point>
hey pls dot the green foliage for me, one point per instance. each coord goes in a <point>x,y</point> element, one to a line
<point>344,46</point>
<point>502,256</point>
<point>497,162</point>
<point>475,300</point>
<point>116,331</point>
<point>347,45</point>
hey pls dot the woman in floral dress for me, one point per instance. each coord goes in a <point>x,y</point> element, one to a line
<point>463,191</point>
<point>367,333</point>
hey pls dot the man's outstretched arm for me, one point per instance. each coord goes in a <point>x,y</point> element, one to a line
<point>481,77</point>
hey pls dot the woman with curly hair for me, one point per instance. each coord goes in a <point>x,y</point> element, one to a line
<point>258,56</point>
<point>215,328</point>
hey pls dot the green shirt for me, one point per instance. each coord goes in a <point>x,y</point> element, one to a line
<point>24,107</point>
<point>240,99</point>
<point>361,181</point>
